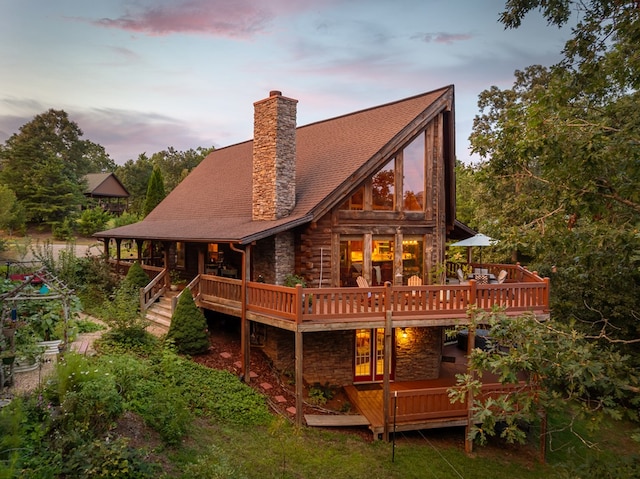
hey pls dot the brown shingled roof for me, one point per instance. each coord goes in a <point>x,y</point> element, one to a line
<point>106,185</point>
<point>214,202</point>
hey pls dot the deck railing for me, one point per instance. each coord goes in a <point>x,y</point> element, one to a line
<point>405,302</point>
<point>419,405</point>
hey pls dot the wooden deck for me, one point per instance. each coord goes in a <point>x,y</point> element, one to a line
<point>323,309</point>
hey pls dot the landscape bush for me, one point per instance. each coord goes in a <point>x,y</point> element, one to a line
<point>93,220</point>
<point>136,277</point>
<point>188,330</point>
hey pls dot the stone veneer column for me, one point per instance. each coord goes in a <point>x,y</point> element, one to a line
<point>274,157</point>
<point>284,256</point>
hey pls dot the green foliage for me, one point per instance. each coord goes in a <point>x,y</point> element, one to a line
<point>11,212</point>
<point>63,231</point>
<point>214,464</point>
<point>175,165</point>
<point>562,365</point>
<point>94,283</point>
<point>136,277</point>
<point>319,394</point>
<point>122,315</point>
<point>560,184</point>
<point>188,329</point>
<point>125,218</point>
<point>107,458</point>
<point>155,192</point>
<point>292,280</point>
<point>92,221</point>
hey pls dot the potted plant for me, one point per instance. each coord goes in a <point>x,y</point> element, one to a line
<point>8,357</point>
<point>177,282</point>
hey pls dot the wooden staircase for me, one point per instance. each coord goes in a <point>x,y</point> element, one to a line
<point>159,313</point>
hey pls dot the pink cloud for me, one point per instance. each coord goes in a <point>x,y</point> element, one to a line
<point>442,37</point>
<point>238,19</point>
<point>234,19</point>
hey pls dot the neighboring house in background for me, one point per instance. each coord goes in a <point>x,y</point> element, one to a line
<point>369,194</point>
<point>107,191</point>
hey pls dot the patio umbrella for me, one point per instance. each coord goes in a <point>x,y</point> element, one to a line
<point>477,240</point>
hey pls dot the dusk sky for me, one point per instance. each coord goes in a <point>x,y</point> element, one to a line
<point>142,75</point>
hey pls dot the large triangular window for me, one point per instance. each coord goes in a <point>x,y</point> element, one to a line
<point>405,172</point>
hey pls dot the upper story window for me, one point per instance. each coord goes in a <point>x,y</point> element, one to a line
<point>406,172</point>
<point>383,188</point>
<point>413,184</point>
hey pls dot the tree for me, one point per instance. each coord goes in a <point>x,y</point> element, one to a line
<point>561,182</point>
<point>11,212</point>
<point>176,165</point>
<point>558,368</point>
<point>135,177</point>
<point>44,163</point>
<point>188,328</point>
<point>155,191</point>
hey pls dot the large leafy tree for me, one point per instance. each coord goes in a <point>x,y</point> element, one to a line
<point>135,175</point>
<point>175,165</point>
<point>561,180</point>
<point>44,164</point>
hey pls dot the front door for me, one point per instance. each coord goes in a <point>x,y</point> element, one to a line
<point>369,355</point>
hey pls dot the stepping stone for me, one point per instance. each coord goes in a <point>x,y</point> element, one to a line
<point>238,364</point>
<point>266,386</point>
<point>281,399</point>
<point>252,374</point>
<point>291,410</point>
<point>225,355</point>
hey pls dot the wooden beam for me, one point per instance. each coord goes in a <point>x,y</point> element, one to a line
<point>386,378</point>
<point>299,377</point>
<point>471,339</point>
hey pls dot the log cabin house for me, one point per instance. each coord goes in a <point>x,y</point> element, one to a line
<point>370,194</point>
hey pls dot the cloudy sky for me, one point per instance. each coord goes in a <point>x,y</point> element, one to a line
<point>141,75</point>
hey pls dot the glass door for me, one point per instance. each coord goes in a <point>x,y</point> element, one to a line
<point>369,355</point>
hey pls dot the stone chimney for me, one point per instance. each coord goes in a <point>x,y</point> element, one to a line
<point>274,157</point>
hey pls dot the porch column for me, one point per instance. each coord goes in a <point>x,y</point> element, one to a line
<point>139,245</point>
<point>386,377</point>
<point>471,341</point>
<point>245,325</point>
<point>118,254</point>
<point>299,380</point>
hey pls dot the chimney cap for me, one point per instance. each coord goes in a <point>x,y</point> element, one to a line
<point>275,93</point>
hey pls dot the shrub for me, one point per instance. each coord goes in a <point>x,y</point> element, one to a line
<point>136,277</point>
<point>63,231</point>
<point>188,328</point>
<point>93,220</point>
<point>110,458</point>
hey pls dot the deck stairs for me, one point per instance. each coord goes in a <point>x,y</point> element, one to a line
<point>159,313</point>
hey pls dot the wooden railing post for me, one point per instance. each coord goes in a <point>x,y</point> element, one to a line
<point>298,307</point>
<point>387,296</point>
<point>472,291</point>
<point>547,284</point>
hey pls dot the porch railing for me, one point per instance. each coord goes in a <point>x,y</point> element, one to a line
<point>155,288</point>
<point>405,302</point>
<point>419,405</point>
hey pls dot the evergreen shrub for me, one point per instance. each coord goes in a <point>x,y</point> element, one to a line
<point>188,329</point>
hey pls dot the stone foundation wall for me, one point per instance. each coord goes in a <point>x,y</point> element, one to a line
<point>328,356</point>
<point>418,356</point>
